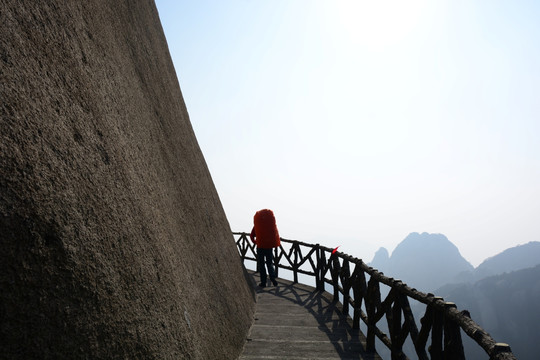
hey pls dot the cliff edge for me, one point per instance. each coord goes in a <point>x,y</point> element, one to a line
<point>114,241</point>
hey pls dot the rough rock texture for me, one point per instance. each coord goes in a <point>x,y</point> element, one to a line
<point>114,243</point>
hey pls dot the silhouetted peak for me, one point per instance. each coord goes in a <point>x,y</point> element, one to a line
<point>426,261</point>
<point>380,260</point>
<point>424,243</point>
<point>383,253</point>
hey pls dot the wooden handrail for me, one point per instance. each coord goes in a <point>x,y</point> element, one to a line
<point>442,320</point>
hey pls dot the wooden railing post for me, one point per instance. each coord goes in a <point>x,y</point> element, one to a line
<point>501,351</point>
<point>395,329</point>
<point>317,267</point>
<point>336,268</point>
<point>453,346</point>
<point>323,268</point>
<point>346,283</point>
<point>436,348</point>
<point>276,261</point>
<point>372,300</point>
<point>296,249</point>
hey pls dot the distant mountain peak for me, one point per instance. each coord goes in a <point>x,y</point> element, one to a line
<point>425,242</point>
<point>426,261</point>
<point>380,260</point>
<point>382,253</point>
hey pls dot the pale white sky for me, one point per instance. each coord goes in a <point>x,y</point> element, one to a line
<point>359,122</point>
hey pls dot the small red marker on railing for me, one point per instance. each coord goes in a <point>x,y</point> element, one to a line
<point>334,251</point>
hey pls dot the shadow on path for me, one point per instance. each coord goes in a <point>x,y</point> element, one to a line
<point>295,321</point>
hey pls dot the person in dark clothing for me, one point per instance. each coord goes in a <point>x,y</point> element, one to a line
<point>266,236</point>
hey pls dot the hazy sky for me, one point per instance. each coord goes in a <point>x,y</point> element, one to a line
<point>359,122</point>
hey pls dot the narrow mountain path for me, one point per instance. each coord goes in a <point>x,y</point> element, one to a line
<point>295,321</point>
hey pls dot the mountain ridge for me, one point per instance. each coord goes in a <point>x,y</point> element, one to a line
<point>415,259</point>
<point>514,258</point>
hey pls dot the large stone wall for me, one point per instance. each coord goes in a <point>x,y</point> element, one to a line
<point>114,243</point>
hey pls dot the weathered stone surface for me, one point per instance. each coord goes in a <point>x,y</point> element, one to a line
<point>114,243</point>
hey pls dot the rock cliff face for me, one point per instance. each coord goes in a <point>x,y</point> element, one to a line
<point>114,243</point>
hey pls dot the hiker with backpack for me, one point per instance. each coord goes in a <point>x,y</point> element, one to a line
<point>266,236</point>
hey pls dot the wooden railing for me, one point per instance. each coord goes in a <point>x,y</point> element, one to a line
<point>360,293</point>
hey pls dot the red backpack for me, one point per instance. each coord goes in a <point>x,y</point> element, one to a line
<point>266,231</point>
